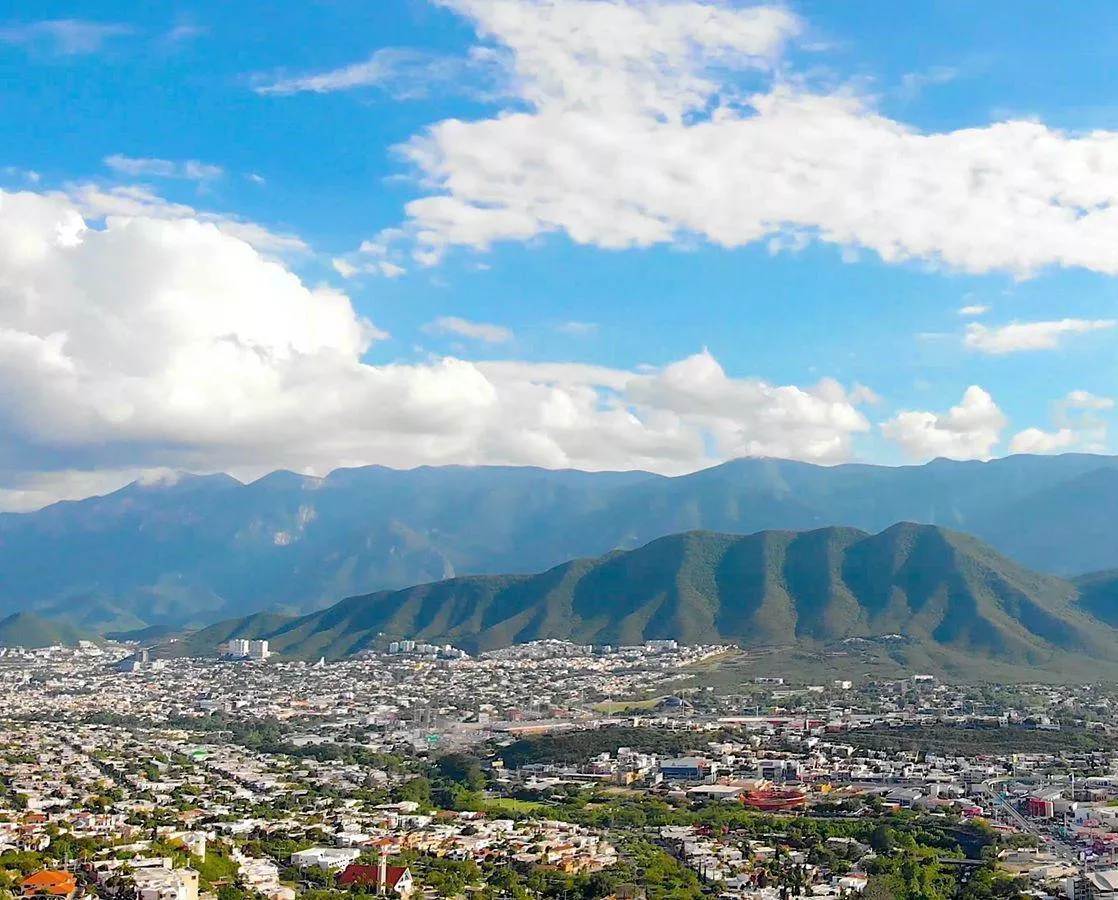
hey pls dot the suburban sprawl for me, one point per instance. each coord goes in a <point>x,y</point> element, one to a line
<point>541,770</point>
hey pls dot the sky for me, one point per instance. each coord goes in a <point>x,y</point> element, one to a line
<point>594,234</point>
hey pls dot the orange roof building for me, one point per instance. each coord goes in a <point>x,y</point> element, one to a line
<point>50,883</point>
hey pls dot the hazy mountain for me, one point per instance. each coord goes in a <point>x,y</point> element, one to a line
<point>936,589</point>
<point>1098,595</point>
<point>1067,528</point>
<point>201,548</point>
<point>28,630</point>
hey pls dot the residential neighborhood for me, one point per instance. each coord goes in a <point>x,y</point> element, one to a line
<point>424,773</point>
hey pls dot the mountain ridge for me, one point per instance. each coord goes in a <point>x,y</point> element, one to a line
<point>184,552</point>
<point>944,592</point>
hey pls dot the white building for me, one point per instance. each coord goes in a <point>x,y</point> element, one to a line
<point>157,883</point>
<point>328,859</point>
<point>238,648</point>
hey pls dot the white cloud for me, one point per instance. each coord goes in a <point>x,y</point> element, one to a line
<point>131,201</point>
<point>648,57</point>
<point>39,489</point>
<point>476,331</point>
<point>1020,336</point>
<point>348,269</point>
<point>912,83</point>
<point>1085,400</point>
<point>970,430</point>
<point>688,404</point>
<point>1077,421</point>
<point>641,122</point>
<point>65,37</point>
<point>969,311</point>
<point>562,374</point>
<point>149,343</point>
<point>1035,440</point>
<point>405,74</point>
<point>377,69</point>
<point>344,268</point>
<point>199,171</point>
<point>863,394</point>
<point>191,169</point>
<point>28,175</point>
<point>578,329</point>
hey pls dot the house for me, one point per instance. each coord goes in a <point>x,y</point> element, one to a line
<point>386,879</point>
<point>50,883</point>
<point>158,883</point>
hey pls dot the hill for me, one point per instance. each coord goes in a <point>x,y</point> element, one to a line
<point>1098,595</point>
<point>929,593</point>
<point>185,553</point>
<point>33,632</point>
<point>206,641</point>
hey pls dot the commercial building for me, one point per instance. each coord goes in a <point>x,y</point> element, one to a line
<point>687,768</point>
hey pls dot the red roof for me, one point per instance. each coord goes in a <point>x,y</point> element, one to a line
<point>60,884</point>
<point>370,875</point>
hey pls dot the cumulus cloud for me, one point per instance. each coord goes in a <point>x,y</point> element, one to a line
<point>631,123</point>
<point>1020,336</point>
<point>132,201</point>
<point>1036,440</point>
<point>970,430</point>
<point>969,311</point>
<point>475,331</point>
<point>191,169</point>
<point>143,343</point>
<point>1078,422</point>
<point>1085,400</point>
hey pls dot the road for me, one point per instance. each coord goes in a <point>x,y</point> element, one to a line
<point>1062,850</point>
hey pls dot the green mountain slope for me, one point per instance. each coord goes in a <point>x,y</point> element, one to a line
<point>199,548</point>
<point>32,632</point>
<point>1098,595</point>
<point>206,641</point>
<point>937,589</point>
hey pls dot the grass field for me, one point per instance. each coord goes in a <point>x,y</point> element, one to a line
<point>510,805</point>
<point>614,707</point>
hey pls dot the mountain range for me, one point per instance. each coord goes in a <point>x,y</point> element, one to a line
<point>927,593</point>
<point>196,549</point>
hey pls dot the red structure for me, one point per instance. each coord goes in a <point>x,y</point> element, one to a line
<point>773,801</point>
<point>1038,808</point>
<point>384,878</point>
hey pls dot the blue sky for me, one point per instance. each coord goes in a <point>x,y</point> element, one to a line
<point>795,193</point>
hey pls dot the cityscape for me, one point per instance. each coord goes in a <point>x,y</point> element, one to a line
<point>558,450</point>
<point>545,769</point>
